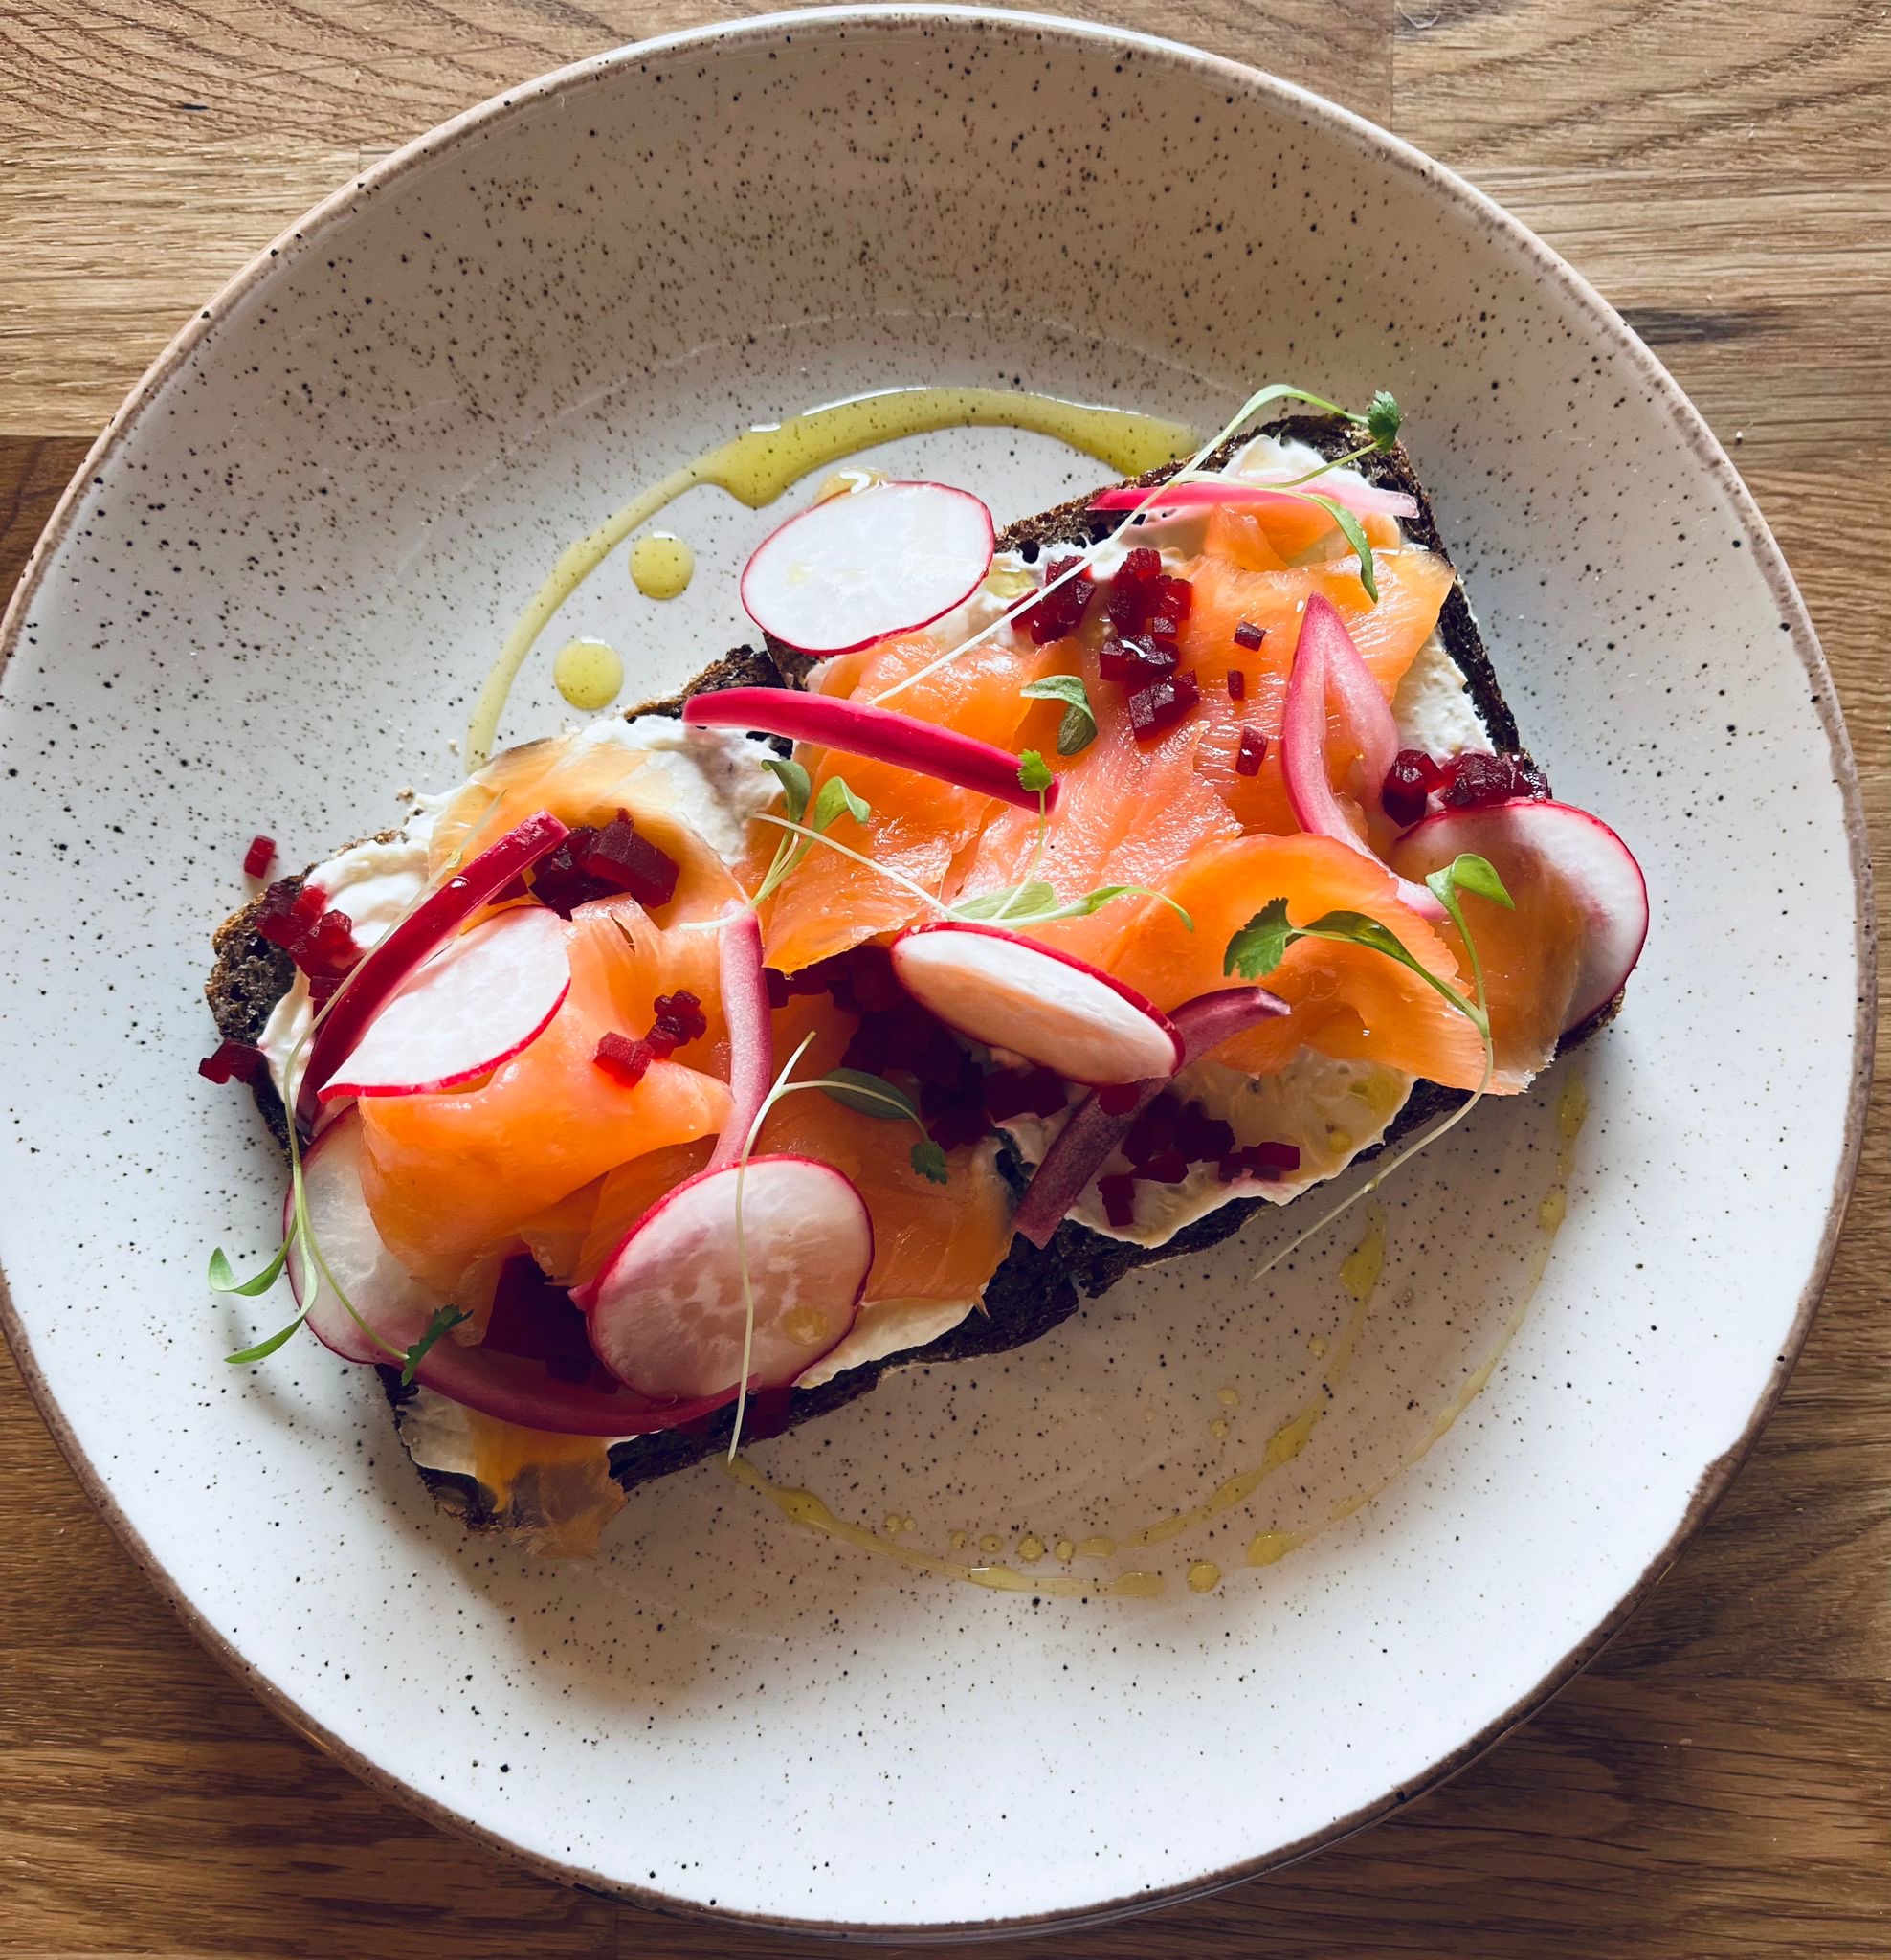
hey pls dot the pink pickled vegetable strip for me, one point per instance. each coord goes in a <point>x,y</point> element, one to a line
<point>879,734</point>
<point>752,1033</point>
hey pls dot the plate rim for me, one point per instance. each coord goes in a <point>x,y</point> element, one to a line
<point>891,15</point>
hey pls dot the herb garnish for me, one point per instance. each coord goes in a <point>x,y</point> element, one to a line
<point>796,787</point>
<point>1079,727</point>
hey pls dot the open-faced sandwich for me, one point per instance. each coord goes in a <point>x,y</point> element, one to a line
<point>1027,908</point>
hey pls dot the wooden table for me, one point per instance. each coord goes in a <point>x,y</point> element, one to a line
<point>1718,1782</point>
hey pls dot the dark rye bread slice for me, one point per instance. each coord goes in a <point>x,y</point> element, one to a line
<point>1032,1291</point>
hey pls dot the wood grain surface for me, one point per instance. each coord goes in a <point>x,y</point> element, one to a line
<point>1720,1783</point>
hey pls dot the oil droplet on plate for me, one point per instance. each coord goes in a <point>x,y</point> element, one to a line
<point>1228,1399</point>
<point>1204,1576</point>
<point>1030,1548</point>
<point>991,1544</point>
<point>588,674</point>
<point>1065,1549</point>
<point>1218,1429</point>
<point>661,566</point>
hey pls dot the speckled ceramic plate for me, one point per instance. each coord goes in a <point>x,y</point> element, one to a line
<point>265,604</point>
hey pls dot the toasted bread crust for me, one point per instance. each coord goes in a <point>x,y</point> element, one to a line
<point>1032,1291</point>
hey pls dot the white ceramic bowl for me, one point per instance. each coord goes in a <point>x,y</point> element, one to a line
<point>264,605</point>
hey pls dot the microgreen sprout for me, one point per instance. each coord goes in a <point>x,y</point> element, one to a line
<point>797,788</point>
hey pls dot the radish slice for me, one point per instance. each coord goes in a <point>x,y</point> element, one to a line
<point>367,990</point>
<point>1559,841</point>
<point>880,734</point>
<point>752,1033</point>
<point>398,1307</point>
<point>667,1314</point>
<point>475,1004</point>
<point>1206,493</point>
<point>379,1287</point>
<point>855,568</point>
<point>1053,1009</point>
<point>1083,1146</point>
<point>1326,664</point>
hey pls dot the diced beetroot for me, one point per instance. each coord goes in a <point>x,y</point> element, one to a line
<point>1118,1098</point>
<point>860,980</point>
<point>260,857</point>
<point>330,950</point>
<point>1250,635</point>
<point>236,1060</point>
<point>1251,753</point>
<point>1168,604</point>
<point>1155,709</point>
<point>678,1020</point>
<point>620,857</point>
<point>1011,1092</point>
<point>1202,1138</point>
<point>623,1059</point>
<point>288,913</point>
<point>1477,781</point>
<point>559,881</point>
<point>1134,662</point>
<point>535,1319</point>
<point>778,988</point>
<point>1153,1132</point>
<point>1259,1160</point>
<point>1237,684</point>
<point>1119,1196</point>
<point>953,1114</point>
<point>1411,778</point>
<point>1167,1167</point>
<point>1058,614</point>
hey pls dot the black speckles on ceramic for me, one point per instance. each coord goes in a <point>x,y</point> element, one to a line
<point>266,606</point>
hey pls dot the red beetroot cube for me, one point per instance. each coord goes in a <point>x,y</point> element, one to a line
<point>1058,614</point>
<point>330,949</point>
<point>1134,662</point>
<point>1155,709</point>
<point>260,857</point>
<point>1119,1196</point>
<point>1250,635</point>
<point>1167,1167</point>
<point>1411,778</point>
<point>1202,1138</point>
<point>560,881</point>
<point>620,857</point>
<point>1251,753</point>
<point>623,1059</point>
<point>1118,1098</point>
<point>777,985</point>
<point>235,1061</point>
<point>1237,684</point>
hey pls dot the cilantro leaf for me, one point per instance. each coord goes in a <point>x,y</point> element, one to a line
<point>263,1350</point>
<point>795,787</point>
<point>834,797</point>
<point>929,1161</point>
<point>1261,945</point>
<point>1032,773</point>
<point>872,1095</point>
<point>1383,417</point>
<point>445,1320</point>
<point>223,1279</point>
<point>1079,727</point>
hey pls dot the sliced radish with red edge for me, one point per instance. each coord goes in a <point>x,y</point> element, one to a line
<point>478,1002</point>
<point>666,1311</point>
<point>1559,841</point>
<point>1083,1146</point>
<point>1009,992</point>
<point>367,990</point>
<point>853,569</point>
<point>395,1304</point>
<point>880,734</point>
<point>380,1288</point>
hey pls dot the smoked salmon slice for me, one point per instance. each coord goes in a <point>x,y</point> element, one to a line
<point>1345,1000</point>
